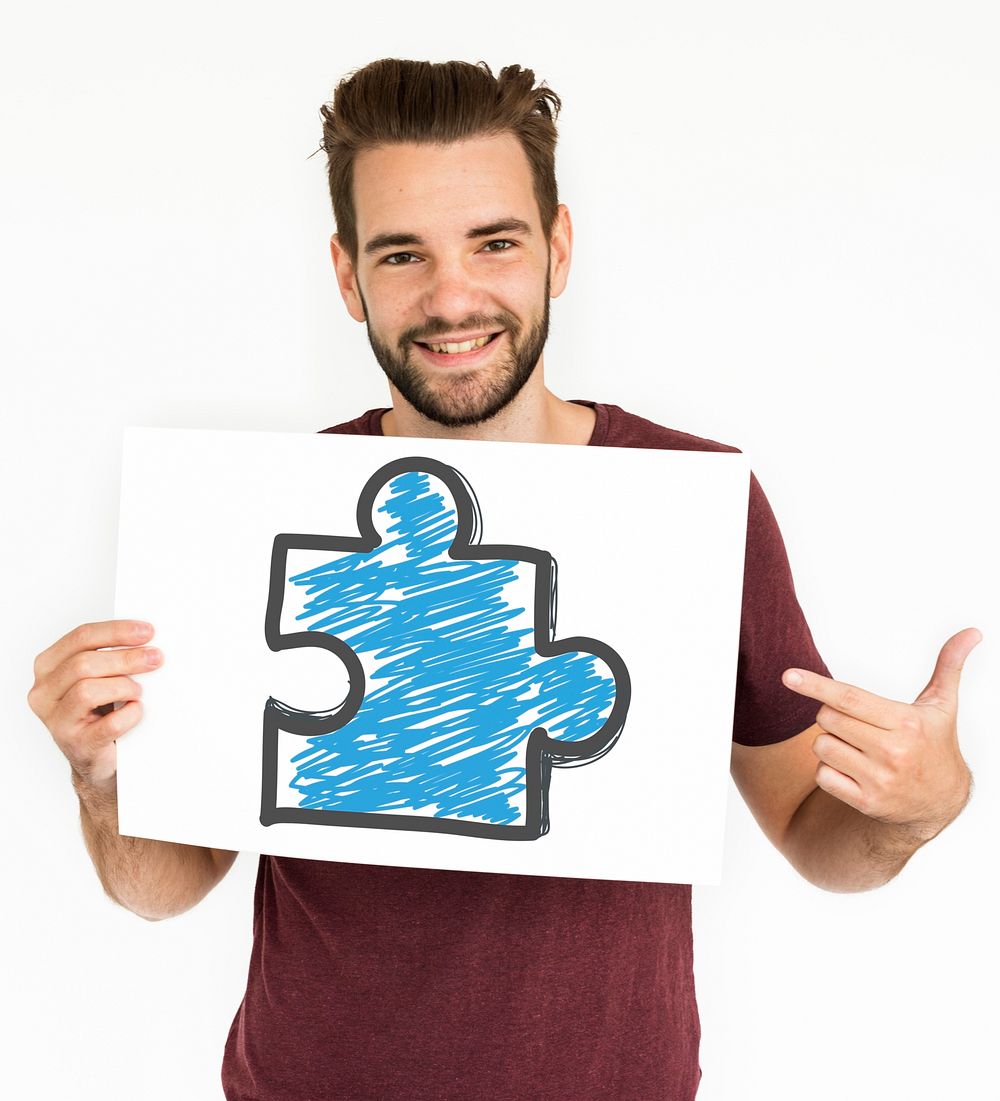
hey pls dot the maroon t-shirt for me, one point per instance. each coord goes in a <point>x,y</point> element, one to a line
<point>373,983</point>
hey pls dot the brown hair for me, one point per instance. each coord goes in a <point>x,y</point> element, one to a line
<point>392,101</point>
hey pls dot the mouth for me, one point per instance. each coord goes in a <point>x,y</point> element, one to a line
<point>459,353</point>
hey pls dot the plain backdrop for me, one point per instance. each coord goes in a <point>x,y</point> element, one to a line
<point>786,239</point>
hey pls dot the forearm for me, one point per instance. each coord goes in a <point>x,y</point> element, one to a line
<point>838,848</point>
<point>154,879</point>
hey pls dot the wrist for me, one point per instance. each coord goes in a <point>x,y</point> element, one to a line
<point>924,829</point>
<point>95,792</point>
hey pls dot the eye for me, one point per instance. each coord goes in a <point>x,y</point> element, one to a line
<point>508,246</point>
<point>395,261</point>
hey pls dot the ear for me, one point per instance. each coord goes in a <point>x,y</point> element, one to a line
<point>560,251</point>
<point>347,279</point>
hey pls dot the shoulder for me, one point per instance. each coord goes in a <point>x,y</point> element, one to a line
<point>368,424</point>
<point>615,427</point>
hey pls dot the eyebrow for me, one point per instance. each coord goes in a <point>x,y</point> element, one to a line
<point>393,240</point>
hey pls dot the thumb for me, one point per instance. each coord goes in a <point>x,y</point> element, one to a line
<point>942,688</point>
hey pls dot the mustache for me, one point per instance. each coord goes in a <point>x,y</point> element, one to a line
<point>438,326</point>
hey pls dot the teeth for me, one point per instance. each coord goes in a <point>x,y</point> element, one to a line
<point>465,346</point>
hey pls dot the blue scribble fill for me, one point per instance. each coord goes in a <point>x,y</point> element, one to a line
<point>456,688</point>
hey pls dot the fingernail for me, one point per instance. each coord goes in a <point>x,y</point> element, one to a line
<point>153,656</point>
<point>142,628</point>
<point>793,677</point>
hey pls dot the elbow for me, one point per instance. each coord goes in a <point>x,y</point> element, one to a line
<point>151,909</point>
<point>842,882</point>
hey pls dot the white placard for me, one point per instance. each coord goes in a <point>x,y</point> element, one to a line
<point>494,657</point>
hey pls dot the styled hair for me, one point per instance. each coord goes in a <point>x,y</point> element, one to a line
<point>393,101</point>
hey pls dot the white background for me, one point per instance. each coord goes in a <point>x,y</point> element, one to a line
<point>787,239</point>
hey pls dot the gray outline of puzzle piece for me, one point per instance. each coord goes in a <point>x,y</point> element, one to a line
<point>542,753</point>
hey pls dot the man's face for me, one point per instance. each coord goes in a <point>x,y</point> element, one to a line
<point>451,251</point>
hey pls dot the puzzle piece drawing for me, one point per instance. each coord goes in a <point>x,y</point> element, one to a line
<point>460,700</point>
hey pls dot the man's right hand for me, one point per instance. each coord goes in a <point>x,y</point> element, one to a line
<point>77,682</point>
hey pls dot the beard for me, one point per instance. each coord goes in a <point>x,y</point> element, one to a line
<point>465,397</point>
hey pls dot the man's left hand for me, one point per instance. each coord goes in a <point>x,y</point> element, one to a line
<point>895,762</point>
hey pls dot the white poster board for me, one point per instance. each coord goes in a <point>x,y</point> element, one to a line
<point>495,657</point>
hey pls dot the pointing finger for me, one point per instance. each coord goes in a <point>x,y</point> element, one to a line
<point>845,698</point>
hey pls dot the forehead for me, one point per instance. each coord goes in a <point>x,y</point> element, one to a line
<point>418,188</point>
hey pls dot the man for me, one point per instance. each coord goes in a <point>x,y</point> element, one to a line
<point>376,982</point>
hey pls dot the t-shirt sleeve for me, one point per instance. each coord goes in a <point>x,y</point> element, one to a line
<point>774,636</point>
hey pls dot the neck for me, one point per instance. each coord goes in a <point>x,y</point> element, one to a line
<point>536,415</point>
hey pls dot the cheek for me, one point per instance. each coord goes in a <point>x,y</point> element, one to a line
<point>520,279</point>
<point>395,303</point>
<point>520,289</point>
<point>389,316</point>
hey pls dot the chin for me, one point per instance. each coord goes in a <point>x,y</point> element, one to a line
<point>464,401</point>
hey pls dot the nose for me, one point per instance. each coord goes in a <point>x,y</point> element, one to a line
<point>452,291</point>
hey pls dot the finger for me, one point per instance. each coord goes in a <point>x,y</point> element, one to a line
<point>114,724</point>
<point>92,664</point>
<point>840,786</point>
<point>77,707</point>
<point>942,688</point>
<point>88,748</point>
<point>840,755</point>
<point>855,702</point>
<point>863,736</point>
<point>92,636</point>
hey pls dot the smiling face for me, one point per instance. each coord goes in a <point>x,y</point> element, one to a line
<point>454,274</point>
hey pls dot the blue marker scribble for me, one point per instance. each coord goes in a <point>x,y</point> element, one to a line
<point>457,686</point>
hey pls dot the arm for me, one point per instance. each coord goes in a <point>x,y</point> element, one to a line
<point>849,800</point>
<point>154,879</point>
<point>76,684</point>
